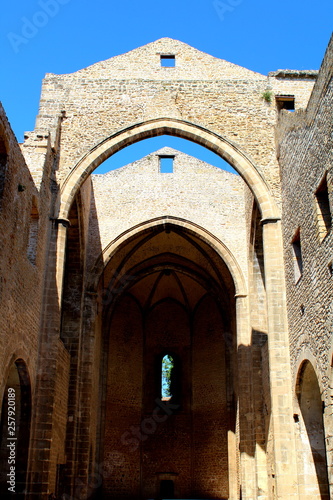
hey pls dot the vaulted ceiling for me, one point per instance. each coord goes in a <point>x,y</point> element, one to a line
<point>168,262</point>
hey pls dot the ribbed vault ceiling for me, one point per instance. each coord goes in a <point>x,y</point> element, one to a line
<point>168,262</point>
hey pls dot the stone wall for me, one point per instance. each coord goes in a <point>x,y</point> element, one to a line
<point>106,97</point>
<point>25,227</point>
<point>195,191</point>
<point>192,269</point>
<point>21,278</point>
<point>305,156</point>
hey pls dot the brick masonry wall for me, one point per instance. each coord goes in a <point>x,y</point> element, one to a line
<point>211,418</point>
<point>190,444</point>
<point>60,414</point>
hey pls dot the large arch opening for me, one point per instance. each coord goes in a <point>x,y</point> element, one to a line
<point>224,148</point>
<point>166,291</point>
<point>311,442</point>
<point>140,149</point>
<point>15,431</point>
<point>121,287</point>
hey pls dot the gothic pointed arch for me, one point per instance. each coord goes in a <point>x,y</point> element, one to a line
<point>15,430</point>
<point>167,293</point>
<point>165,223</point>
<point>311,433</point>
<point>223,147</point>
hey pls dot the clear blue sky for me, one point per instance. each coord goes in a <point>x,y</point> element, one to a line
<point>63,36</point>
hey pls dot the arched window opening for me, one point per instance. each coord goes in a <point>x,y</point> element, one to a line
<point>33,233</point>
<point>324,216</point>
<point>167,378</point>
<point>297,255</point>
<point>312,447</point>
<point>15,431</point>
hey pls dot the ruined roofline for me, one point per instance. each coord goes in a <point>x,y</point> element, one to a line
<point>162,42</point>
<point>310,74</point>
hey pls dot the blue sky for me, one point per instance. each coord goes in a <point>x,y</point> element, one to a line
<point>62,36</point>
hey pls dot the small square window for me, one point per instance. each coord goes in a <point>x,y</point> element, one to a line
<point>168,61</point>
<point>285,102</point>
<point>166,164</point>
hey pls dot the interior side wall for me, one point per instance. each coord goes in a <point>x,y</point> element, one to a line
<point>148,439</point>
<point>122,438</point>
<point>211,416</point>
<point>168,449</point>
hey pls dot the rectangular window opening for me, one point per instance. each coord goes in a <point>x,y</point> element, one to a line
<point>33,235</point>
<point>168,61</point>
<point>297,254</point>
<point>330,268</point>
<point>285,102</point>
<point>324,217</point>
<point>166,164</point>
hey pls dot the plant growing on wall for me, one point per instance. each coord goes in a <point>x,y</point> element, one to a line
<point>267,95</point>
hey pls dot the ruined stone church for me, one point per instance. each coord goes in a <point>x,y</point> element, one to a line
<point>228,276</point>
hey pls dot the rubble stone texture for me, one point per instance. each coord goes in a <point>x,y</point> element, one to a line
<point>230,274</point>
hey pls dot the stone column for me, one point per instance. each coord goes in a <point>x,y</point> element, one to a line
<point>62,225</point>
<point>285,473</point>
<point>87,482</point>
<point>232,466</point>
<point>41,475</point>
<point>328,428</point>
<point>245,400</point>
